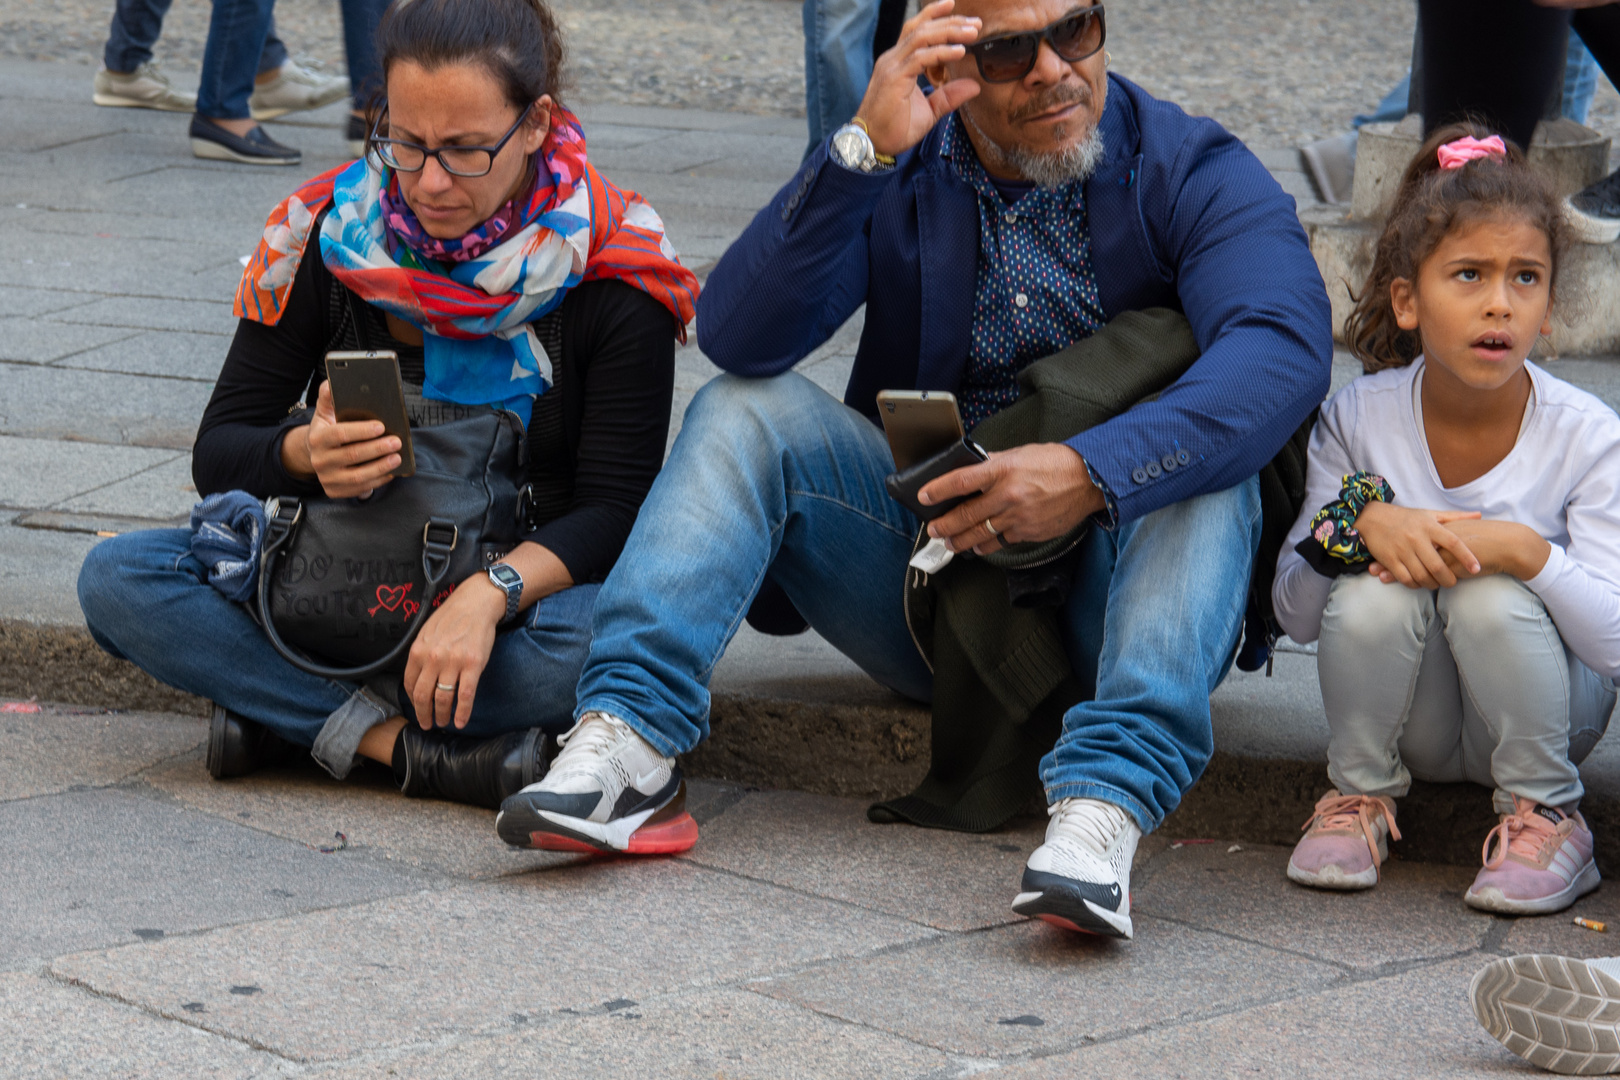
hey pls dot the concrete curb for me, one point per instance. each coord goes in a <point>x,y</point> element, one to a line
<point>855,751</point>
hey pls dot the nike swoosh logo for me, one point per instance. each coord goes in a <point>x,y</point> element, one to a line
<point>641,782</point>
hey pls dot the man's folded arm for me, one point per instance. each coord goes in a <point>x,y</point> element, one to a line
<point>796,274</point>
<point>1250,287</point>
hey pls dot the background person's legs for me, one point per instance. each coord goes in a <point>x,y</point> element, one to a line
<point>766,474</point>
<point>838,38</point>
<point>136,25</point>
<point>1154,619</point>
<point>1461,73</point>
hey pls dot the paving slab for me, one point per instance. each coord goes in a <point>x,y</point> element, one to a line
<point>413,969</point>
<point>156,352</point>
<point>56,403</point>
<point>189,316</point>
<point>87,869</point>
<point>56,1032</point>
<point>697,1036</point>
<point>62,748</point>
<point>28,302</point>
<point>303,803</point>
<point>39,569</point>
<point>1416,1025</point>
<point>825,846</point>
<point>46,472</point>
<point>1034,989</point>
<point>34,341</point>
<point>1558,933</point>
<point>1416,912</point>
<point>163,493</point>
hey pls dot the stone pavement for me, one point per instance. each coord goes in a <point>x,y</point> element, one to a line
<point>157,923</point>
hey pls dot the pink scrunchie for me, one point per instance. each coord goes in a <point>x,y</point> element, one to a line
<point>1456,154</point>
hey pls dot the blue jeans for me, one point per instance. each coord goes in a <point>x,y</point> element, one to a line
<point>147,600</point>
<point>776,476</point>
<point>837,62</point>
<point>136,25</point>
<point>360,19</point>
<point>239,32</point>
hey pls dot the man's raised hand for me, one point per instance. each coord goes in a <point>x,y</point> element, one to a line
<point>896,111</point>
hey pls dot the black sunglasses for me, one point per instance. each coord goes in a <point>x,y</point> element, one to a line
<point>1010,57</point>
<point>467,161</point>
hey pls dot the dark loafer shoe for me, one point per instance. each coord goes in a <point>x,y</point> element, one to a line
<point>480,772</point>
<point>209,140</point>
<point>238,746</point>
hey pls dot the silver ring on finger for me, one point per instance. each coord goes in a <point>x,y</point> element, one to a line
<point>993,530</point>
<point>446,689</point>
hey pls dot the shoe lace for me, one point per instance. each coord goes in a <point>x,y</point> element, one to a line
<point>1335,811</point>
<point>1523,833</point>
<point>1096,822</point>
<point>592,739</point>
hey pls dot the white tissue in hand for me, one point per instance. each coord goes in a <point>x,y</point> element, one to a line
<point>933,557</point>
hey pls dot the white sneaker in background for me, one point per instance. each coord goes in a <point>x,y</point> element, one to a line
<point>296,89</point>
<point>144,88</point>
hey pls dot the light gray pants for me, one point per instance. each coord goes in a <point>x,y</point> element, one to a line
<point>1467,683</point>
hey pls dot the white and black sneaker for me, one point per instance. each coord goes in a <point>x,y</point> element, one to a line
<point>1080,878</point>
<point>1556,1012</point>
<point>607,790</point>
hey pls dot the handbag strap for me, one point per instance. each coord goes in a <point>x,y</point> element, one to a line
<point>439,538</point>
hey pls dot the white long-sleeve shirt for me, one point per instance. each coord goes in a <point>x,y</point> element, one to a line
<point>1561,479</point>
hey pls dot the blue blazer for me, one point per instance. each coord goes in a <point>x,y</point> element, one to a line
<point>1182,215</point>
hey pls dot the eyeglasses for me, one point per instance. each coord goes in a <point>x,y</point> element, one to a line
<point>409,157</point>
<point>1012,56</point>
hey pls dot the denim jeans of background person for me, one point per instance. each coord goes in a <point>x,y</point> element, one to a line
<point>130,78</point>
<point>841,40</point>
<point>970,270</point>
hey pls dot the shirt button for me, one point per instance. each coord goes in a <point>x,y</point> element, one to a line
<point>1021,300</point>
<point>1009,217</point>
<point>1139,475</point>
<point>1153,470</point>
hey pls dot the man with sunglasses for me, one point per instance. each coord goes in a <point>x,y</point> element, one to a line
<point>1020,205</point>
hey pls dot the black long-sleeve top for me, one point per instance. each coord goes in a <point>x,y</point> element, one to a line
<point>611,401</point>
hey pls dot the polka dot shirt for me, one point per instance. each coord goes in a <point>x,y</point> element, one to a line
<point>1037,291</point>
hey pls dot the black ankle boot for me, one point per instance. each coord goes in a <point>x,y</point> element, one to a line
<point>238,746</point>
<point>481,772</point>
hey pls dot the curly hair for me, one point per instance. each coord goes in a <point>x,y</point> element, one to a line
<point>1429,203</point>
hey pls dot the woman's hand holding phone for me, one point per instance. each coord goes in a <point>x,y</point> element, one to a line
<point>349,459</point>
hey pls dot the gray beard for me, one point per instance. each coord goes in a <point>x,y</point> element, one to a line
<point>1049,170</point>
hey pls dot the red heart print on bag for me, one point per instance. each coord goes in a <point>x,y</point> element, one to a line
<point>389,597</point>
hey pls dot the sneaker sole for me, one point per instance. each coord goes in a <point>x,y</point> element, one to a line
<point>213,151</point>
<point>1073,913</point>
<point>666,830</point>
<point>1589,229</point>
<point>1492,900</point>
<point>1552,1011</point>
<point>1333,878</point>
<point>115,102</point>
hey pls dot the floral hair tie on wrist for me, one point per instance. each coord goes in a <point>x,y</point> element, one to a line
<point>1459,152</point>
<point>1333,546</point>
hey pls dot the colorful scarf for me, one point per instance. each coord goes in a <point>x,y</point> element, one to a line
<point>479,348</point>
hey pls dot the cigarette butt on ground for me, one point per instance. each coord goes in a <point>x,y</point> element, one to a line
<point>1592,924</point>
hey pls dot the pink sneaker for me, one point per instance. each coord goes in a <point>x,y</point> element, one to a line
<point>1538,860</point>
<point>1346,840</point>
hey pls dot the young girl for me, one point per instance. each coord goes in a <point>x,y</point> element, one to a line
<point>1459,553</point>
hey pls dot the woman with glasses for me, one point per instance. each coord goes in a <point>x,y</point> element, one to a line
<point>475,241</point>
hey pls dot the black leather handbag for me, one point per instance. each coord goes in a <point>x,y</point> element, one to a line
<point>346,584</point>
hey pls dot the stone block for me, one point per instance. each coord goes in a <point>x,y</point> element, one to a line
<point>1034,990</point>
<point>696,1036</point>
<point>157,352</point>
<point>89,869</point>
<point>163,493</point>
<point>1415,913</point>
<point>61,747</point>
<point>421,968</point>
<point>825,846</point>
<point>57,403</point>
<point>34,341</point>
<point>136,313</point>
<point>1417,1025</point>
<point>56,1032</point>
<point>38,572</point>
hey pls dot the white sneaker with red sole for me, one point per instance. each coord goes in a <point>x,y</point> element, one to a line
<point>1080,879</point>
<point>607,790</point>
